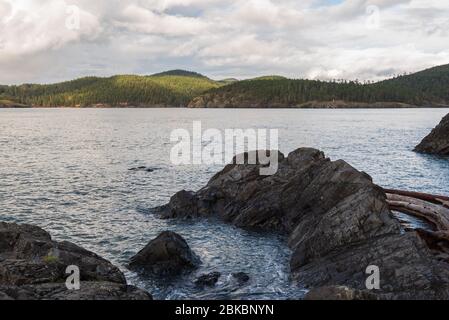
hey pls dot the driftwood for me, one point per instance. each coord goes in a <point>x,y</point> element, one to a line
<point>435,214</point>
<point>430,211</point>
<point>422,196</point>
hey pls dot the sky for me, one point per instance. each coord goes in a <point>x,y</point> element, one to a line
<point>46,41</point>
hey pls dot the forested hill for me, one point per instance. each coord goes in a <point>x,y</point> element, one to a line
<point>179,88</point>
<point>171,89</point>
<point>426,88</point>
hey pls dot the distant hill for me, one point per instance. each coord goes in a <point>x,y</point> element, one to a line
<point>228,81</point>
<point>426,88</point>
<point>162,90</point>
<point>179,72</point>
<point>274,77</point>
<point>180,88</point>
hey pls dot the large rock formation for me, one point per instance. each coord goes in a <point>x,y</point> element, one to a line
<point>337,220</point>
<point>437,142</point>
<point>33,266</point>
<point>168,254</point>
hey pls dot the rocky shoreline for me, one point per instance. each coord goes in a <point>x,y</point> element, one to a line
<point>337,219</point>
<point>212,102</point>
<point>203,102</point>
<point>338,222</point>
<point>33,267</point>
<point>437,142</point>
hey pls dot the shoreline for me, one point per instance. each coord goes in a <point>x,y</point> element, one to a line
<point>240,108</point>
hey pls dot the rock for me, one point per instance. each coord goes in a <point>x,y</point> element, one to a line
<point>339,293</point>
<point>30,261</point>
<point>88,291</point>
<point>143,168</point>
<point>168,254</point>
<point>437,142</point>
<point>241,277</point>
<point>208,280</point>
<point>337,221</point>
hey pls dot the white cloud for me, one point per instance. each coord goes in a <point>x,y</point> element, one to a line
<point>364,39</point>
<point>40,27</point>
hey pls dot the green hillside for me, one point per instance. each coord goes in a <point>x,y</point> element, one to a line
<point>426,88</point>
<point>125,90</point>
<point>179,88</point>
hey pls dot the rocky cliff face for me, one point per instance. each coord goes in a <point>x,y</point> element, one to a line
<point>33,266</point>
<point>337,220</point>
<point>437,142</point>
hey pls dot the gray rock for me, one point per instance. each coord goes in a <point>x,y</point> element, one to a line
<point>168,254</point>
<point>241,277</point>
<point>88,291</point>
<point>208,280</point>
<point>337,220</point>
<point>30,261</point>
<point>437,142</point>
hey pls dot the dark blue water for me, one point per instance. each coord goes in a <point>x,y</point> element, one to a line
<point>66,170</point>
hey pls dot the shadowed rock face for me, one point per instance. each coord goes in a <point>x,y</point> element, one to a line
<point>437,142</point>
<point>337,220</point>
<point>168,254</point>
<point>32,266</point>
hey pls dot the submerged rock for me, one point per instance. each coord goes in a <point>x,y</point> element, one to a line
<point>437,142</point>
<point>241,277</point>
<point>143,168</point>
<point>337,220</point>
<point>208,280</point>
<point>33,266</point>
<point>168,254</point>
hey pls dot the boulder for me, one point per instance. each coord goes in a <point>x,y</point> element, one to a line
<point>208,280</point>
<point>437,142</point>
<point>241,277</point>
<point>337,221</point>
<point>168,254</point>
<point>33,266</point>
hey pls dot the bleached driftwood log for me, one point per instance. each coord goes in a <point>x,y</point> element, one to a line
<point>422,196</point>
<point>437,215</point>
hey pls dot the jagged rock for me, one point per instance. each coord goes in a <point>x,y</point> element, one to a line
<point>337,220</point>
<point>208,280</point>
<point>339,293</point>
<point>30,261</point>
<point>241,277</point>
<point>437,142</point>
<point>168,254</point>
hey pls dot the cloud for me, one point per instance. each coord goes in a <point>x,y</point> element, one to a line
<point>41,27</point>
<point>322,39</point>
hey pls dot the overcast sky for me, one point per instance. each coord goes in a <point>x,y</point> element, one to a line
<point>52,40</point>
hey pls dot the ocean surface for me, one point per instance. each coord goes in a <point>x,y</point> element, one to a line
<point>67,170</point>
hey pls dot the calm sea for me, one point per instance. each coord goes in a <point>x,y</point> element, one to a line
<point>67,170</point>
